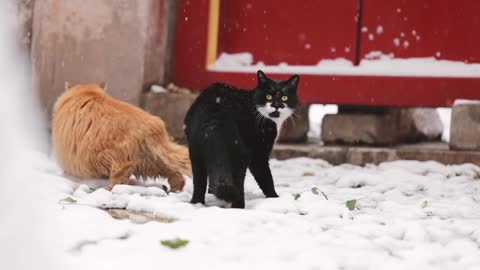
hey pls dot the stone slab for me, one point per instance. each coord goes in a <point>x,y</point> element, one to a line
<point>340,154</point>
<point>465,126</point>
<point>390,127</point>
<point>172,108</point>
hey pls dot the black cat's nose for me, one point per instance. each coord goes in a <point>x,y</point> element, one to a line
<point>278,105</point>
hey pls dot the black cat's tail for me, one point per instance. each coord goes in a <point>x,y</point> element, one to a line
<point>220,164</point>
<point>223,185</point>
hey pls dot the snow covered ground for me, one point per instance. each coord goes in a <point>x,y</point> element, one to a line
<point>407,215</point>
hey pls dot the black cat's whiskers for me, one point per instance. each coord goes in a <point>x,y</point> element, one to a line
<point>260,117</point>
<point>299,117</point>
<point>296,114</point>
<point>291,116</point>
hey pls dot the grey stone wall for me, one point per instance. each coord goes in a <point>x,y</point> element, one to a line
<point>121,42</point>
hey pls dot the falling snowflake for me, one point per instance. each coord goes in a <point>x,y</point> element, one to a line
<point>396,41</point>
<point>379,30</point>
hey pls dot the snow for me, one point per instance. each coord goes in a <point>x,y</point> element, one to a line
<point>380,30</point>
<point>241,59</point>
<point>158,89</point>
<point>466,101</point>
<point>408,214</point>
<point>445,116</point>
<point>396,42</point>
<point>315,116</point>
<point>382,65</point>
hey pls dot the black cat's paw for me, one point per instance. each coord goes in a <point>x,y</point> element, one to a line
<point>197,200</point>
<point>238,204</point>
<point>271,195</point>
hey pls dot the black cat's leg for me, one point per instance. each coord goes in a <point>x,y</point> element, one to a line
<point>239,178</point>
<point>199,180</point>
<point>240,201</point>
<point>262,174</point>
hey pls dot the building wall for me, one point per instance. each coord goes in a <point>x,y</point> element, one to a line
<point>121,42</point>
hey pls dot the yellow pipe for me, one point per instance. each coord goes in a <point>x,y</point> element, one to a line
<point>213,22</point>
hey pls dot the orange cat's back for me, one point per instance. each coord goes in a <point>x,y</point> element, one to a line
<point>81,131</point>
<point>95,135</point>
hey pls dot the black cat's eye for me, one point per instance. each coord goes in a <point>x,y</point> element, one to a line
<point>284,98</point>
<point>269,97</point>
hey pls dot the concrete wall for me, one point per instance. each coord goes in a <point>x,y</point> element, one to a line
<point>122,42</point>
<point>25,19</point>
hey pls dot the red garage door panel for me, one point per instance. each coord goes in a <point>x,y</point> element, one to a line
<point>411,28</point>
<point>449,27</point>
<point>295,32</point>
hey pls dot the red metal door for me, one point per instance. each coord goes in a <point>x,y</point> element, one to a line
<point>443,29</point>
<point>293,32</point>
<point>304,32</point>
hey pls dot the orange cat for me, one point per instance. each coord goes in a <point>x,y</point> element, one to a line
<point>95,135</point>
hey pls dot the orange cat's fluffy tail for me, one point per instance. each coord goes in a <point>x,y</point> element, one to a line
<point>174,156</point>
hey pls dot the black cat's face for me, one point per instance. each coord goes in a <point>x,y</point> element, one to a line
<point>276,100</point>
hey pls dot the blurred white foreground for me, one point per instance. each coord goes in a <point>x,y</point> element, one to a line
<point>27,229</point>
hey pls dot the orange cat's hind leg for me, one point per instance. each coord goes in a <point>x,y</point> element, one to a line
<point>175,179</point>
<point>120,174</point>
<point>176,182</point>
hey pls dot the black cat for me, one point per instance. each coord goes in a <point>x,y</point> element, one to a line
<point>230,130</point>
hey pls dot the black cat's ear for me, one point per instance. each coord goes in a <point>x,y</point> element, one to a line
<point>262,78</point>
<point>293,81</point>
